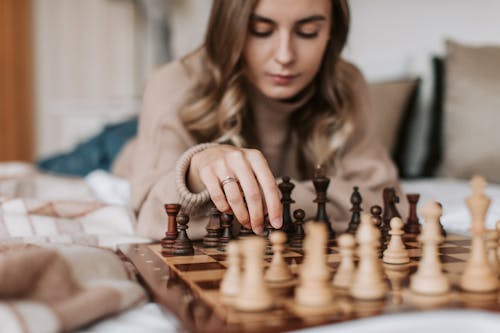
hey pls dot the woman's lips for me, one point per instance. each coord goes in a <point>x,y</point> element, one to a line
<point>282,79</point>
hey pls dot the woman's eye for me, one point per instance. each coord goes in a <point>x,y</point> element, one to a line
<point>307,31</point>
<point>261,29</point>
<point>307,34</point>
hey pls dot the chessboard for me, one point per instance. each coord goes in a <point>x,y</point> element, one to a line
<point>188,286</point>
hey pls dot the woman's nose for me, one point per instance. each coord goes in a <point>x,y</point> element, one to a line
<point>284,53</point>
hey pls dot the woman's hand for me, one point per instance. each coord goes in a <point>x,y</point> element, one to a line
<point>239,181</point>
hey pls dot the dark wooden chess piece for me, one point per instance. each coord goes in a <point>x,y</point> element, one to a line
<point>356,210</point>
<point>182,245</point>
<point>412,225</point>
<point>286,188</point>
<point>245,232</point>
<point>268,229</point>
<point>443,232</point>
<point>171,235</point>
<point>227,233</point>
<point>376,212</point>
<point>213,228</point>
<point>298,236</point>
<point>390,210</point>
<point>321,183</point>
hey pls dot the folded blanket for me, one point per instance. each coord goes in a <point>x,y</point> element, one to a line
<point>54,288</point>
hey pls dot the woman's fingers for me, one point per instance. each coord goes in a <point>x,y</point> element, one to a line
<point>268,186</point>
<point>231,188</point>
<point>212,183</point>
<point>250,188</point>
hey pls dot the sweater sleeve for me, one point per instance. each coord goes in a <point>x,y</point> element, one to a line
<point>161,142</point>
<point>363,163</point>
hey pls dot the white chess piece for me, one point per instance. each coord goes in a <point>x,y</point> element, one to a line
<point>231,281</point>
<point>255,295</point>
<point>345,272</point>
<point>278,270</point>
<point>429,278</point>
<point>369,283</point>
<point>396,253</point>
<point>491,249</point>
<point>314,289</point>
<point>478,275</point>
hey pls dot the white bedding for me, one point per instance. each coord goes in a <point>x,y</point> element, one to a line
<point>18,179</point>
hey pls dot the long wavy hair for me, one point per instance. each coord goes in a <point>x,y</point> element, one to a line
<point>219,110</point>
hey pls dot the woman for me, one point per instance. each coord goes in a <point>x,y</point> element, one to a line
<point>266,96</point>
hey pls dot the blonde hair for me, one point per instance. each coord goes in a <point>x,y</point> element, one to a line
<point>219,109</point>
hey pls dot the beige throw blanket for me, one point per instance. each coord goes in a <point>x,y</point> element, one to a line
<point>56,288</point>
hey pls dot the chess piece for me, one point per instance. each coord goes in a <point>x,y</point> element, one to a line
<point>345,272</point>
<point>356,210</point>
<point>376,212</point>
<point>396,253</point>
<point>443,231</point>
<point>227,227</point>
<point>429,278</point>
<point>255,296</point>
<point>170,236</point>
<point>368,283</point>
<point>278,270</point>
<point>298,237</point>
<point>478,275</point>
<point>245,232</point>
<point>412,225</point>
<point>213,228</point>
<point>314,289</point>
<point>231,281</point>
<point>286,188</point>
<point>396,275</point>
<point>491,249</point>
<point>321,183</point>
<point>390,210</point>
<point>182,245</point>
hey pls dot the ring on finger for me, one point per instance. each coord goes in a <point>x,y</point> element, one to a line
<point>227,180</point>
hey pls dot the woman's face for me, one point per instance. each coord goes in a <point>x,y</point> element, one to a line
<point>285,45</point>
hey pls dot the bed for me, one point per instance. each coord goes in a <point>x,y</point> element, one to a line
<point>96,206</point>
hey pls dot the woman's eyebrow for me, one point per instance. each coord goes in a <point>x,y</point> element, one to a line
<point>312,18</point>
<point>308,19</point>
<point>259,18</point>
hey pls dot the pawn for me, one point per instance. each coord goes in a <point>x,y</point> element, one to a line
<point>429,278</point>
<point>278,270</point>
<point>211,239</point>
<point>255,296</point>
<point>396,253</point>
<point>368,282</point>
<point>231,281</point>
<point>491,249</point>
<point>314,289</point>
<point>182,245</point>
<point>376,212</point>
<point>227,233</point>
<point>298,236</point>
<point>345,272</point>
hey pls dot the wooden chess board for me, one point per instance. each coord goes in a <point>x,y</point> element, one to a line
<point>188,286</point>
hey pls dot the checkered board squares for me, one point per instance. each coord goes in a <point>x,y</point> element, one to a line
<point>201,274</point>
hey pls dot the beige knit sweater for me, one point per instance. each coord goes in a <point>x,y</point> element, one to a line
<point>150,160</point>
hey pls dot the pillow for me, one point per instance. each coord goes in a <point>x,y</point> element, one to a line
<point>394,104</point>
<point>472,112</point>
